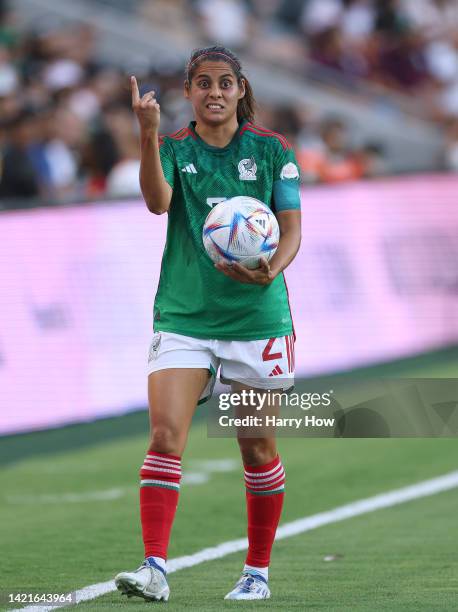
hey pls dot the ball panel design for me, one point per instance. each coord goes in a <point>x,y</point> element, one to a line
<point>241,229</point>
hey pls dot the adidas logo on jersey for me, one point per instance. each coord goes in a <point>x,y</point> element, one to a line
<point>190,169</point>
<point>276,371</point>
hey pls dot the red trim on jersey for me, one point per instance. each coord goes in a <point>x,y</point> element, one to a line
<point>268,133</point>
<point>271,132</point>
<point>289,306</point>
<point>189,132</point>
<point>182,134</point>
<point>178,135</point>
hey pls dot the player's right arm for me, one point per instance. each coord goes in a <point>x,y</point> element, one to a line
<point>155,189</point>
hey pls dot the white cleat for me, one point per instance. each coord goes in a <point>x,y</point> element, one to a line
<point>250,586</point>
<point>147,582</point>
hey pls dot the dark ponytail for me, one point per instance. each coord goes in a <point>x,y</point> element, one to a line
<point>246,106</point>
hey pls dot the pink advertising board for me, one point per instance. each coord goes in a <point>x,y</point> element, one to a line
<point>376,279</point>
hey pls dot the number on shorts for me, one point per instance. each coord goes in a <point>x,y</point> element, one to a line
<point>267,355</point>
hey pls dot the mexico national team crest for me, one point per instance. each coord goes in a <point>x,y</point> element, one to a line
<point>247,169</point>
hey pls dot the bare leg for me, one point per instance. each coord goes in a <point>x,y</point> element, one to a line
<point>173,395</point>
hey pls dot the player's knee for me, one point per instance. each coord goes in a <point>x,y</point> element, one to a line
<point>165,439</point>
<point>258,451</point>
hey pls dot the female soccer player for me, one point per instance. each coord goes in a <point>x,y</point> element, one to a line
<point>206,316</point>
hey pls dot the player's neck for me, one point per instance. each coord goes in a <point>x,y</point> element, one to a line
<point>217,135</point>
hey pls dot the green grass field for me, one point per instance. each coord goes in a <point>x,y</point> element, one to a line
<point>69,519</point>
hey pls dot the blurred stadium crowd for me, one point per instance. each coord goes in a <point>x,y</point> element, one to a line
<point>66,127</point>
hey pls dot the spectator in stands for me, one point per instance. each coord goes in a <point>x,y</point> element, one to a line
<point>64,137</point>
<point>402,62</point>
<point>334,161</point>
<point>122,179</point>
<point>23,168</point>
<point>98,156</point>
<point>330,50</point>
<point>372,160</point>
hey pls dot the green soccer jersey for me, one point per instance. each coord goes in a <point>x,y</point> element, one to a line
<point>193,297</point>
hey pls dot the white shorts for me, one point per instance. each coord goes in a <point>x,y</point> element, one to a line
<point>259,364</point>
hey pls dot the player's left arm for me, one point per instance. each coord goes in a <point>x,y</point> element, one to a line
<point>289,222</point>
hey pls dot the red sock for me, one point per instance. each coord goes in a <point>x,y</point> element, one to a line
<point>159,489</point>
<point>265,486</point>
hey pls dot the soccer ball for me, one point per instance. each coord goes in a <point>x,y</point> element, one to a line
<point>241,229</point>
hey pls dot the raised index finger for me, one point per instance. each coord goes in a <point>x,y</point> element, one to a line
<point>135,92</point>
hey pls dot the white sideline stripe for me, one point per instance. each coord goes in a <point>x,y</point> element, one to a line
<point>363,506</point>
<point>66,498</point>
<point>187,478</point>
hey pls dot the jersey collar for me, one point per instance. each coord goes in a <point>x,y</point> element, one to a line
<point>209,147</point>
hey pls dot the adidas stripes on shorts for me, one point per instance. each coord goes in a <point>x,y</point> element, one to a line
<point>259,364</point>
